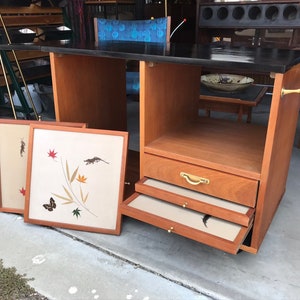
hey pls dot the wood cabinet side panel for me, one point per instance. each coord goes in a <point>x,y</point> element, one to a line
<point>169,97</point>
<point>90,90</point>
<point>278,149</point>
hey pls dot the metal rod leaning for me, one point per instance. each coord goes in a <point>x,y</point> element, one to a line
<point>8,89</point>
<point>19,69</point>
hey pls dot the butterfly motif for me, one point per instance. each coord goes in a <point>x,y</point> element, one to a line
<point>51,205</point>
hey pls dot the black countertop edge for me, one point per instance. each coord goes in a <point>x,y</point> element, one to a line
<point>25,46</point>
<point>262,60</point>
<point>158,59</point>
<point>275,66</point>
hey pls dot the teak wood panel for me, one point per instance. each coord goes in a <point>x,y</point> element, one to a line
<point>95,92</point>
<point>169,96</point>
<point>279,143</point>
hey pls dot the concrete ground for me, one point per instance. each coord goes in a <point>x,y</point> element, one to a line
<point>147,263</point>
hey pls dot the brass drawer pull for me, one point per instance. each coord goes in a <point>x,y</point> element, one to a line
<point>170,230</point>
<point>194,180</point>
<point>286,92</point>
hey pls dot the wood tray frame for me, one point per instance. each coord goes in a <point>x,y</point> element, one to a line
<point>75,178</point>
<point>14,134</point>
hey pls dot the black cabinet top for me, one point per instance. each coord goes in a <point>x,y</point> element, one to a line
<point>212,56</point>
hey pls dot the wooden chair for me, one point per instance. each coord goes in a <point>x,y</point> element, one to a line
<point>151,30</point>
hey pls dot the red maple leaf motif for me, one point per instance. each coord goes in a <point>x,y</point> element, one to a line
<point>52,154</point>
<point>22,191</point>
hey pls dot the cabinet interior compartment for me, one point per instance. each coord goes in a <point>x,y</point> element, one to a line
<point>217,144</point>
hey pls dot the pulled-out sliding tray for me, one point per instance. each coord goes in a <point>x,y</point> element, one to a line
<point>200,217</point>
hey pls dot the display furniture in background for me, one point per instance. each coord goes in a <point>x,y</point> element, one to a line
<point>151,30</point>
<point>259,24</point>
<point>18,68</point>
<point>82,14</point>
<point>178,12</point>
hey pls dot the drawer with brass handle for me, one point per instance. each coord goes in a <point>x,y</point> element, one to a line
<point>208,181</point>
<point>194,180</point>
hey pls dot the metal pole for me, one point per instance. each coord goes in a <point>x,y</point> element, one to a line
<point>19,69</point>
<point>8,89</point>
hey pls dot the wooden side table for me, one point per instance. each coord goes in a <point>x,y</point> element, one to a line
<point>240,103</point>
